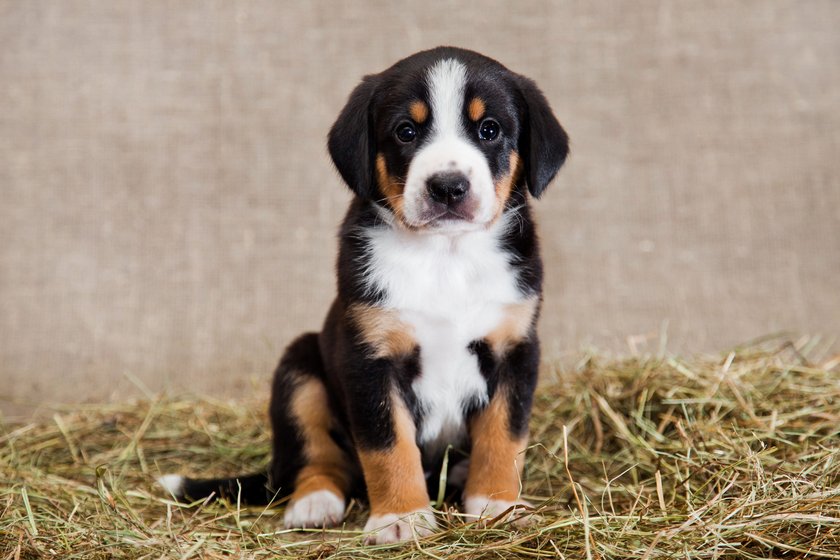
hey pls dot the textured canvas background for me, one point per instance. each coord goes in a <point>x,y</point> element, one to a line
<point>168,209</point>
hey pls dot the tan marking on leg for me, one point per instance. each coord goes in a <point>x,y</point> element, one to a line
<point>327,467</point>
<point>476,109</point>
<point>497,456</point>
<point>514,326</point>
<point>394,477</point>
<point>383,330</point>
<point>505,184</point>
<point>390,187</point>
<point>419,111</point>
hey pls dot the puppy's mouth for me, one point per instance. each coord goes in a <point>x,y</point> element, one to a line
<point>449,214</point>
<point>440,216</point>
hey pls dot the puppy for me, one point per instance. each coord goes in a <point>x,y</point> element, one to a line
<point>431,342</point>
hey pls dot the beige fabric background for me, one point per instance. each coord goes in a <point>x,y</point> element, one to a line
<point>168,209</point>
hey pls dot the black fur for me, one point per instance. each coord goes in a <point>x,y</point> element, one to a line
<point>247,489</point>
<point>350,140</point>
<point>522,244</point>
<point>543,139</point>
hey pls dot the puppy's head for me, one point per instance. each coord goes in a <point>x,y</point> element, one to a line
<point>442,138</point>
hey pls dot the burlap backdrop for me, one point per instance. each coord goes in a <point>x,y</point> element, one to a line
<point>168,208</point>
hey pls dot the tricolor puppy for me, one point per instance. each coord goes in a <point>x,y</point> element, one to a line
<point>431,341</point>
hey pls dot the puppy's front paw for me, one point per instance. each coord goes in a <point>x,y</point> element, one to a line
<point>398,527</point>
<point>485,509</point>
<point>318,509</point>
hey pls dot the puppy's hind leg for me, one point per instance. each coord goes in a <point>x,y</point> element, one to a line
<point>306,456</point>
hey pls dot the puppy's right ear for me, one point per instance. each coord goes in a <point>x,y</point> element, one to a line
<point>351,142</point>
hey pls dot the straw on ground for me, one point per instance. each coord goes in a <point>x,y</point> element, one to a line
<point>655,457</point>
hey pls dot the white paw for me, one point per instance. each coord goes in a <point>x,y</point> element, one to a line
<point>398,527</point>
<point>486,509</point>
<point>321,508</point>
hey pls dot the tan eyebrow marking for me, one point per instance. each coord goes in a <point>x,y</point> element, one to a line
<point>419,111</point>
<point>476,108</point>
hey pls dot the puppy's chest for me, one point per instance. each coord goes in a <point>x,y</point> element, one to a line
<point>449,295</point>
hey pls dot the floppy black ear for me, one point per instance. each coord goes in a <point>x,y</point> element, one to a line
<point>543,143</point>
<point>351,142</point>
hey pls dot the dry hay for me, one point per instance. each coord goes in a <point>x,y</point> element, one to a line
<point>652,457</point>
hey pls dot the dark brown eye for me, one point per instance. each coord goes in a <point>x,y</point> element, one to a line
<point>488,130</point>
<point>406,133</point>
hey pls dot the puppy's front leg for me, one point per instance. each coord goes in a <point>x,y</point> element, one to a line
<point>496,461</point>
<point>499,434</point>
<point>384,433</point>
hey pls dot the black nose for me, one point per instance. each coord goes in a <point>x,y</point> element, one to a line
<point>447,188</point>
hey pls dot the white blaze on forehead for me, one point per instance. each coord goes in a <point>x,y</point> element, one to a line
<point>447,80</point>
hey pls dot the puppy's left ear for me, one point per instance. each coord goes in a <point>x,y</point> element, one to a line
<point>543,143</point>
<point>351,142</point>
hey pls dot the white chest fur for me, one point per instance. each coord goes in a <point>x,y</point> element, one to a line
<point>451,291</point>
